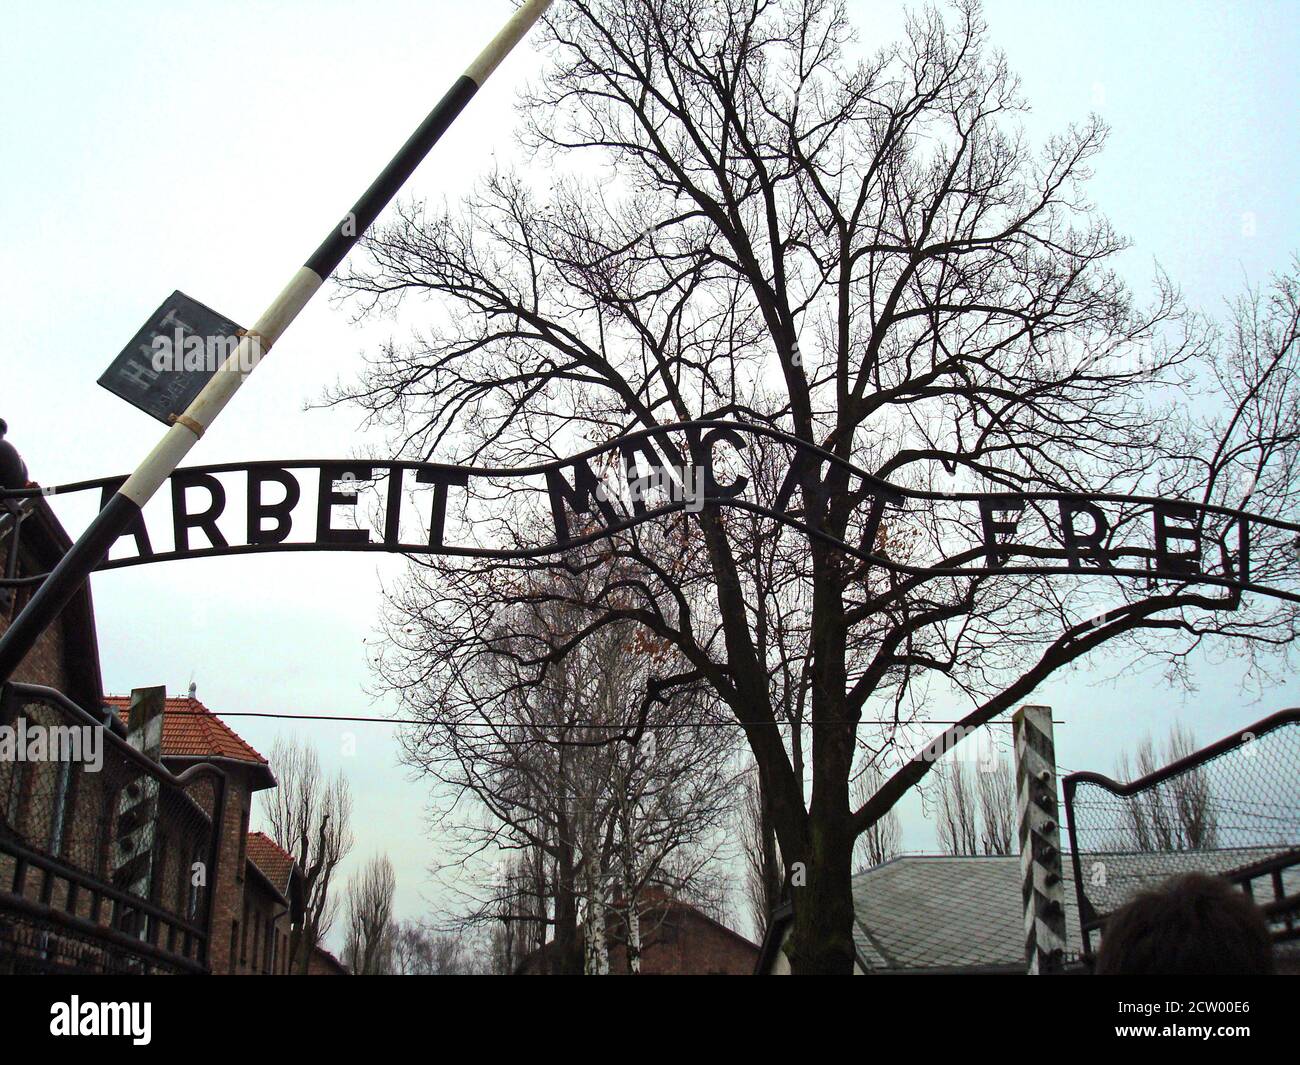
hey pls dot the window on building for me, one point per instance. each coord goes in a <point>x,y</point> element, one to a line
<point>63,787</point>
<point>19,785</point>
<point>234,944</point>
<point>195,894</point>
<point>182,901</point>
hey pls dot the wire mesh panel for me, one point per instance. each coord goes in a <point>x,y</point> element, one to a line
<point>105,857</point>
<point>1231,809</point>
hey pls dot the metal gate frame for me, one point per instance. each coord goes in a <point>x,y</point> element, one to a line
<point>1282,909</point>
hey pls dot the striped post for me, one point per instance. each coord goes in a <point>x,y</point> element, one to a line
<point>137,802</point>
<point>1040,840</point>
<point>119,512</point>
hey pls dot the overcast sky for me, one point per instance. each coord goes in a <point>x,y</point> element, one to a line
<point>208,147</point>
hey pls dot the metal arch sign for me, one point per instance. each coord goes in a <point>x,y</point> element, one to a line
<point>633,479</point>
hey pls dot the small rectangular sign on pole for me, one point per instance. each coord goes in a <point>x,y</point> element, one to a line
<point>172,357</point>
<point>134,377</point>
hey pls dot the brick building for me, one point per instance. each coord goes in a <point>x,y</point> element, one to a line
<point>273,906</point>
<point>65,903</point>
<point>677,939</point>
<point>258,886</point>
<point>67,895</point>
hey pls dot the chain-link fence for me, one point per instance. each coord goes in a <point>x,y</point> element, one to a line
<point>105,857</point>
<point>1231,809</point>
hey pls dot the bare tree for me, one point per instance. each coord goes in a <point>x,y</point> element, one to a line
<point>957,808</point>
<point>868,254</point>
<point>1174,815</point>
<point>764,874</point>
<point>673,794</point>
<point>419,950</point>
<point>882,840</point>
<point>976,805</point>
<point>996,785</point>
<point>518,912</point>
<point>521,905</point>
<point>710,891</point>
<point>310,817</point>
<point>370,944</point>
<point>590,788</point>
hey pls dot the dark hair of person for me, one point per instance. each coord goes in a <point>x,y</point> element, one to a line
<point>1190,925</point>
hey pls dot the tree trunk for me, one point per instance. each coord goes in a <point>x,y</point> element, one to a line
<point>596,947</point>
<point>821,938</point>
<point>566,960</point>
<point>773,874</point>
<point>304,943</point>
<point>633,939</point>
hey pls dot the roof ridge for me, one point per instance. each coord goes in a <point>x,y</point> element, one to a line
<point>196,732</point>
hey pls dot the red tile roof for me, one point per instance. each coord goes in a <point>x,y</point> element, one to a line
<point>191,730</point>
<point>271,858</point>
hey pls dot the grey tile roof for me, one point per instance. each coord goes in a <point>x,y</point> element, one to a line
<point>936,912</point>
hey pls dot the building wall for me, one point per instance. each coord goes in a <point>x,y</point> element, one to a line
<point>24,787</point>
<point>26,792</point>
<point>246,916</point>
<point>244,912</point>
<point>264,925</point>
<point>682,941</point>
<point>228,884</point>
<point>45,663</point>
<point>57,808</point>
<point>322,964</point>
<point>676,940</point>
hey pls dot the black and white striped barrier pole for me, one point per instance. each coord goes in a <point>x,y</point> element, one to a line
<point>116,516</point>
<point>1040,840</point>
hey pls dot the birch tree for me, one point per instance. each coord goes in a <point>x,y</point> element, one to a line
<point>588,772</point>
<point>673,798</point>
